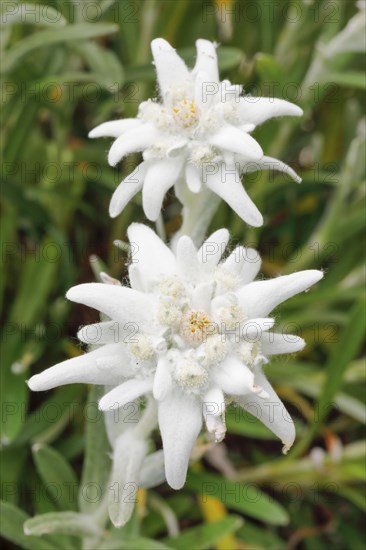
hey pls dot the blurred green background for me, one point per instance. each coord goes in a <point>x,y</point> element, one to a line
<point>66,67</point>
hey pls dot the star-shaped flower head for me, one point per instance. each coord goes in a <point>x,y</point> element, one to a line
<point>193,331</point>
<point>197,135</point>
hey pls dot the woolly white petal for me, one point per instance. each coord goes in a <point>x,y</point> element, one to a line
<point>117,423</point>
<point>259,298</point>
<point>276,343</point>
<point>134,277</point>
<point>214,403</point>
<point>162,379</point>
<point>257,110</point>
<point>161,175</point>
<point>117,302</point>
<point>215,425</point>
<point>245,262</point>
<point>236,141</point>
<point>227,185</point>
<point>233,377</point>
<point>151,256</point>
<point>271,411</point>
<point>253,330</point>
<point>124,393</point>
<point>188,264</point>
<point>269,163</point>
<point>213,248</point>
<point>128,457</point>
<point>83,369</point>
<point>193,178</point>
<point>202,294</point>
<point>205,91</point>
<point>107,332</point>
<point>137,139</point>
<point>180,421</point>
<point>114,128</point>
<point>127,189</point>
<point>171,69</point>
<point>230,91</point>
<point>207,60</point>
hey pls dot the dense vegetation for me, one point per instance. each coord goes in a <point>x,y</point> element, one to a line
<point>68,66</point>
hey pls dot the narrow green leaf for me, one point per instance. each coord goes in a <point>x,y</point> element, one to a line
<point>97,462</point>
<point>242,497</point>
<point>136,543</point>
<point>31,14</point>
<point>67,523</point>
<point>353,495</point>
<point>57,475</point>
<point>12,462</point>
<point>350,79</point>
<point>57,410</point>
<point>34,287</point>
<point>11,528</point>
<point>237,422</point>
<point>80,31</point>
<point>205,536</point>
<point>258,538</point>
<point>344,351</point>
<point>102,62</point>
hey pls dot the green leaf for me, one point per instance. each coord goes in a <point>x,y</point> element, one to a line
<point>258,538</point>
<point>242,423</point>
<point>67,523</point>
<point>41,425</point>
<point>344,351</point>
<point>80,31</point>
<point>11,528</point>
<point>57,475</point>
<point>34,287</point>
<point>268,68</point>
<point>61,79</point>
<point>353,495</point>
<point>205,536</point>
<point>136,543</point>
<point>31,14</point>
<point>12,463</point>
<point>350,79</point>
<point>242,497</point>
<point>97,462</point>
<point>102,62</point>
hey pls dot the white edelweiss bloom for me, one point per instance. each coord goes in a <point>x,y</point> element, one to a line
<point>198,133</point>
<point>193,332</point>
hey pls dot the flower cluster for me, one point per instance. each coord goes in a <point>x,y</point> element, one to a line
<point>193,332</point>
<point>202,337</point>
<point>197,135</point>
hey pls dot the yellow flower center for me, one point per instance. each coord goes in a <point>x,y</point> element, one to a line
<point>195,326</point>
<point>185,113</point>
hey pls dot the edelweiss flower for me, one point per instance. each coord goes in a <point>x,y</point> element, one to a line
<point>193,331</point>
<point>197,135</point>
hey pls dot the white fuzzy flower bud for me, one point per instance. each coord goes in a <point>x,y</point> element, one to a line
<point>143,347</point>
<point>168,314</point>
<point>246,352</point>
<point>171,286</point>
<point>228,280</point>
<point>190,375</point>
<point>153,112</point>
<point>202,154</point>
<point>231,316</point>
<point>214,350</point>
